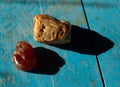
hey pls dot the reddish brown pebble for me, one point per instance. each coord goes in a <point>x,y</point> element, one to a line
<point>24,56</point>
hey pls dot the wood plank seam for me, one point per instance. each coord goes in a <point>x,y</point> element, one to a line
<point>92,41</point>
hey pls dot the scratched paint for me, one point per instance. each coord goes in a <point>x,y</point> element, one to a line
<point>79,19</point>
<point>0,82</point>
<point>92,83</point>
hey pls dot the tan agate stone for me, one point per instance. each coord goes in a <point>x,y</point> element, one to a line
<point>49,30</point>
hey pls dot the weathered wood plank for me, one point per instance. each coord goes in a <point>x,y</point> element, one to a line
<point>103,17</point>
<point>80,70</point>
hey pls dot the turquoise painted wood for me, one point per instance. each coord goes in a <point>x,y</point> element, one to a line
<point>104,17</point>
<point>80,68</point>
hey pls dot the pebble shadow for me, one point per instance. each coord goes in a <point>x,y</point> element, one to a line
<point>48,62</point>
<point>87,41</point>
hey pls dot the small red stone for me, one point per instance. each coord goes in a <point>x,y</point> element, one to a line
<point>24,57</point>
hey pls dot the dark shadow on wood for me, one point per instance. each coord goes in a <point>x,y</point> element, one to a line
<point>48,62</point>
<point>86,41</point>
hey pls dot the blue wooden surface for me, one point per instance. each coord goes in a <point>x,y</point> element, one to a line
<point>80,69</point>
<point>104,17</point>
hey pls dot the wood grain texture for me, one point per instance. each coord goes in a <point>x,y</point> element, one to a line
<point>103,17</point>
<point>80,70</point>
